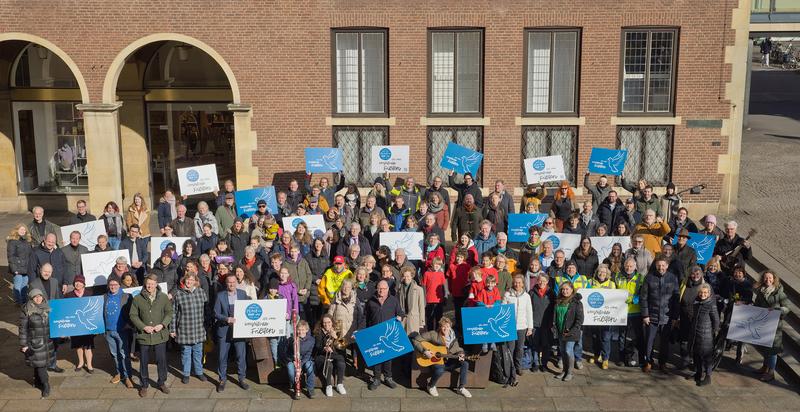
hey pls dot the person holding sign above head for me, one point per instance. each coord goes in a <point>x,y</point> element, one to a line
<point>151,313</point>
<point>770,295</point>
<point>408,191</point>
<point>187,326</point>
<point>223,315</point>
<point>444,337</point>
<point>532,198</point>
<point>378,309</point>
<point>630,336</point>
<point>34,338</point>
<point>221,196</point>
<point>599,190</point>
<point>567,323</point>
<point>469,187</point>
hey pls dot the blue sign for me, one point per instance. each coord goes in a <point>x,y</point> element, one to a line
<point>247,200</point>
<point>595,300</point>
<point>384,341</point>
<point>703,245</point>
<point>607,161</point>
<point>519,223</point>
<point>461,159</point>
<point>324,160</point>
<point>482,324</point>
<point>253,311</point>
<point>76,317</point>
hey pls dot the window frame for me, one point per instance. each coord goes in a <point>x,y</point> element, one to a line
<point>643,128</point>
<point>453,130</point>
<point>575,136</point>
<point>360,129</point>
<point>334,102</point>
<point>673,75</point>
<point>482,54</point>
<point>578,55</point>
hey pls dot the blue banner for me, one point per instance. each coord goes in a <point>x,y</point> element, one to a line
<point>76,317</point>
<point>382,342</point>
<point>482,324</point>
<point>247,200</point>
<point>324,160</point>
<point>519,223</point>
<point>607,161</point>
<point>461,159</point>
<point>702,244</point>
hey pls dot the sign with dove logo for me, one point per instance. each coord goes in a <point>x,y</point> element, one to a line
<point>315,223</point>
<point>607,161</point>
<point>519,223</point>
<point>198,179</point>
<point>89,233</point>
<point>247,200</point>
<point>544,169</point>
<point>702,244</point>
<point>567,242</point>
<point>604,244</point>
<point>324,160</point>
<point>411,242</point>
<point>482,324</point>
<point>259,318</point>
<point>754,325</point>
<point>382,342</point>
<point>96,266</point>
<point>461,159</point>
<point>605,307</point>
<point>76,317</point>
<point>389,159</point>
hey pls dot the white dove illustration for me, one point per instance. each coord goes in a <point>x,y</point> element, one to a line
<point>703,244</point>
<point>754,324</point>
<point>499,323</point>
<point>88,316</point>
<point>330,159</point>
<point>104,266</point>
<point>614,162</point>
<point>468,161</point>
<point>391,338</point>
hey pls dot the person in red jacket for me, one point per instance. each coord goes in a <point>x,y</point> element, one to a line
<point>486,296</point>
<point>433,249</point>
<point>465,245</point>
<point>475,285</point>
<point>487,267</point>
<point>457,279</point>
<point>436,293</point>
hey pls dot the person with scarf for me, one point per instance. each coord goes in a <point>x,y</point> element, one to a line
<point>204,217</point>
<point>530,249</point>
<point>332,280</point>
<point>769,294</point>
<point>440,209</point>
<point>466,219</point>
<point>543,299</point>
<point>465,245</point>
<point>495,213</point>
<point>34,338</point>
<point>39,227</point>
<point>433,250</point>
<point>167,210</point>
<point>138,214</point>
<point>532,273</point>
<point>115,226</point>
<point>523,311</point>
<point>412,301</point>
<point>563,205</point>
<point>470,186</point>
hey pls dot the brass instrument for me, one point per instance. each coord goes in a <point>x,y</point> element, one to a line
<point>342,342</point>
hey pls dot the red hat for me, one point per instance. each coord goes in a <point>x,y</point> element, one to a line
<point>338,259</point>
<point>79,278</point>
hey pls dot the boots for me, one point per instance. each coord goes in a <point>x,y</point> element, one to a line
<point>45,390</point>
<point>763,370</point>
<point>768,376</point>
<point>706,381</point>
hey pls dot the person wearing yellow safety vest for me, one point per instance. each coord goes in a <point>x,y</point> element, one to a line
<point>630,336</point>
<point>332,280</point>
<point>408,191</point>
<point>578,282</point>
<point>601,335</point>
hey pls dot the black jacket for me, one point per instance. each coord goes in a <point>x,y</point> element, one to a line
<point>54,287</point>
<point>41,256</point>
<point>318,265</point>
<point>474,189</point>
<point>659,298</point>
<point>542,307</point>
<point>34,332</point>
<point>72,262</point>
<point>611,218</point>
<point>166,273</point>
<point>76,218</point>
<point>344,245</point>
<point>725,246</point>
<point>237,242</point>
<point>705,326</point>
<point>376,313</point>
<point>586,265</point>
<point>142,249</point>
<point>573,321</point>
<point>686,257</point>
<point>19,254</point>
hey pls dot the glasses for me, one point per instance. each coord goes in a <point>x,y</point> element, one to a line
<point>548,223</point>
<point>262,207</point>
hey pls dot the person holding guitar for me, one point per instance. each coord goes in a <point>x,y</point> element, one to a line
<point>732,248</point>
<point>439,350</point>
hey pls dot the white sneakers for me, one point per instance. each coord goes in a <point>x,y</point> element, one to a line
<point>340,389</point>
<point>432,391</point>
<point>329,391</point>
<point>464,392</point>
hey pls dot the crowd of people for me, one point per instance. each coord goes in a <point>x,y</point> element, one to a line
<point>345,279</point>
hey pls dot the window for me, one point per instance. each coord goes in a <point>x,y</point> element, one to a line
<point>356,144</point>
<point>551,70</point>
<point>551,141</point>
<point>439,137</point>
<point>648,70</point>
<point>456,71</point>
<point>649,153</point>
<point>359,71</point>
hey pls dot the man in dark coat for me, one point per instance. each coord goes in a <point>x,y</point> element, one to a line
<point>72,258</point>
<point>139,250</point>
<point>470,186</point>
<point>610,211</point>
<point>659,299</point>
<point>466,219</point>
<point>685,254</point>
<point>39,227</point>
<point>182,226</point>
<point>223,315</point>
<point>727,244</point>
<point>381,308</point>
<point>47,252</point>
<point>354,237</point>
<point>83,215</point>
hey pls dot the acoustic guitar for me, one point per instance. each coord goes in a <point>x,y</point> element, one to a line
<point>730,259</point>
<point>439,355</point>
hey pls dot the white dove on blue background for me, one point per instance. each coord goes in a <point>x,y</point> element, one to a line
<point>391,338</point>
<point>330,159</point>
<point>616,162</point>
<point>500,322</point>
<point>467,162</point>
<point>90,314</point>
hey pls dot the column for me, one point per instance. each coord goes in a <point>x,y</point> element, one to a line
<point>133,143</point>
<point>9,199</point>
<point>245,143</point>
<point>104,161</point>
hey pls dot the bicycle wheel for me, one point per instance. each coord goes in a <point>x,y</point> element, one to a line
<point>719,346</point>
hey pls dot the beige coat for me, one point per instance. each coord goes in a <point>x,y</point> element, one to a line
<point>140,218</point>
<point>344,312</point>
<point>415,309</point>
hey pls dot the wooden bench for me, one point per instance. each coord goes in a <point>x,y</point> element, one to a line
<point>478,376</point>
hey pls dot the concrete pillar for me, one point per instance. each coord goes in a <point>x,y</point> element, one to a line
<point>9,199</point>
<point>244,146</point>
<point>104,163</point>
<point>133,143</point>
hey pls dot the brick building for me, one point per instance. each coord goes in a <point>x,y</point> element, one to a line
<point>101,100</point>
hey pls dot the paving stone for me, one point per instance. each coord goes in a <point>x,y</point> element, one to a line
<point>83,405</point>
<point>269,405</point>
<point>124,393</point>
<point>375,404</point>
<point>321,403</point>
<point>486,404</point>
<point>437,404</point>
<point>196,405</point>
<point>562,391</point>
<point>137,404</point>
<point>384,391</point>
<point>618,403</point>
<point>531,404</point>
<point>228,405</point>
<point>575,404</point>
<point>181,393</point>
<point>16,405</point>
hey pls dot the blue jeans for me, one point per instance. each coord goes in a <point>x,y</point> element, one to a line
<point>21,289</point>
<point>771,361</point>
<point>119,344</point>
<point>241,361</point>
<point>601,340</point>
<point>568,353</point>
<point>578,352</point>
<point>451,365</point>
<point>308,368</point>
<point>192,355</point>
<point>114,242</point>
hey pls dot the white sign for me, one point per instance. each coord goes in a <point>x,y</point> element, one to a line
<point>158,244</point>
<point>544,169</point>
<point>754,325</point>
<point>603,245</point>
<point>89,233</point>
<point>315,223</point>
<point>604,307</point>
<point>566,242</point>
<point>259,318</point>
<point>390,159</point>
<point>137,290</point>
<point>97,266</point>
<point>411,242</point>
<point>198,179</point>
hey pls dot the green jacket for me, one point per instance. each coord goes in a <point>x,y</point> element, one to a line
<point>151,313</point>
<point>225,217</point>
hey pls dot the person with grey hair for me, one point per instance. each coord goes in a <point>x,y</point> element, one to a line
<point>48,252</point>
<point>39,227</point>
<point>354,237</point>
<point>72,252</point>
<point>182,225</point>
<point>642,256</point>
<point>728,244</point>
<point>380,308</point>
<point>705,327</point>
<point>204,216</point>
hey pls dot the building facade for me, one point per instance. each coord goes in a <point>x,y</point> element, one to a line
<point>102,100</point>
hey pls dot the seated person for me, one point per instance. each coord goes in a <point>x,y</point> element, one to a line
<point>444,336</point>
<point>306,358</point>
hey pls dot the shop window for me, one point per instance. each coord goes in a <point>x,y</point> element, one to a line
<point>439,137</point>
<point>551,141</point>
<point>649,153</point>
<point>356,144</point>
<point>455,62</point>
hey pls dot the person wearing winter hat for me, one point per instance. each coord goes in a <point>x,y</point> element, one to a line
<point>710,227</point>
<point>670,202</point>
<point>83,344</point>
<point>34,338</point>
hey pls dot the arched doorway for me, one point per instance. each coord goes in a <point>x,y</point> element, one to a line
<point>176,95</point>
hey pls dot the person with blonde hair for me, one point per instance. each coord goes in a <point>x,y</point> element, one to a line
<point>138,214</point>
<point>19,248</point>
<point>769,294</point>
